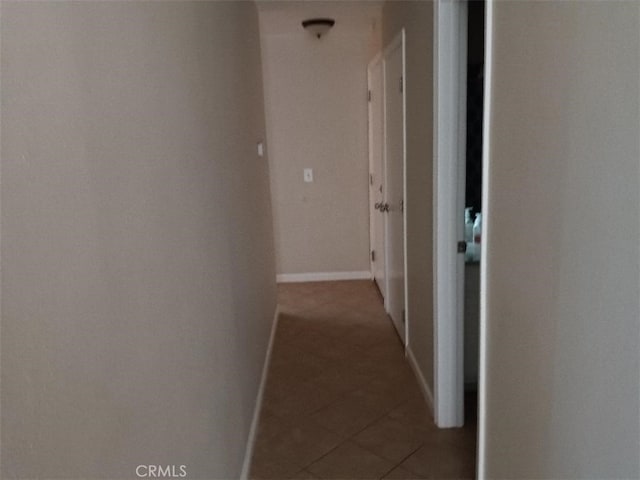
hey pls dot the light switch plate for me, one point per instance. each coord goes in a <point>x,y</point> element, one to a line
<point>308,175</point>
<point>260,149</point>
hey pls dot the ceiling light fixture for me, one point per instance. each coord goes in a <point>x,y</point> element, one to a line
<point>318,26</point>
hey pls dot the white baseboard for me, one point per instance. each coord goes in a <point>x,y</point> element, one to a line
<point>424,386</point>
<point>253,431</point>
<point>322,276</point>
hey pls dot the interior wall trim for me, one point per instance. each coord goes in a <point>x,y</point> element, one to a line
<point>422,381</point>
<point>323,276</point>
<point>253,431</point>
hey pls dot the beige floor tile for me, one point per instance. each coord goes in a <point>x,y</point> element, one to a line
<point>326,346</point>
<point>394,391</point>
<point>400,473</point>
<point>391,439</point>
<point>349,461</point>
<point>287,352</point>
<point>343,380</point>
<point>414,412</point>
<point>442,461</point>
<point>352,413</point>
<point>265,467</point>
<point>391,352</point>
<point>341,401</point>
<point>295,366</point>
<point>301,445</point>
<point>323,317</point>
<point>270,426</point>
<point>462,437</point>
<point>303,475</point>
<point>289,327</point>
<point>277,388</point>
<point>367,337</point>
<point>305,400</point>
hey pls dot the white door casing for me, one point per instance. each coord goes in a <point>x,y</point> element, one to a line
<point>449,152</point>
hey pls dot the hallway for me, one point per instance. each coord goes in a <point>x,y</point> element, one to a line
<point>341,401</point>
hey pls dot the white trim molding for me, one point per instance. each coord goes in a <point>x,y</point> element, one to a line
<point>481,466</point>
<point>422,382</point>
<point>405,204</point>
<point>323,276</point>
<point>253,431</point>
<point>448,151</point>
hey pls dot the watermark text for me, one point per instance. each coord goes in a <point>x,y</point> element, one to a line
<point>161,471</point>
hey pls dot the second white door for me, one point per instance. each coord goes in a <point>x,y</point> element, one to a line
<point>376,172</point>
<point>394,194</point>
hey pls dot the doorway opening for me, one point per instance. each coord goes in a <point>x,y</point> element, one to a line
<point>458,119</point>
<point>473,206</point>
<point>312,122</point>
<point>473,192</point>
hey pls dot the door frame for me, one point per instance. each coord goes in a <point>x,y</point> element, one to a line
<point>449,154</point>
<point>484,265</point>
<point>398,41</point>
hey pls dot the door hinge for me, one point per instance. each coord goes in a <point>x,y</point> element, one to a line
<point>371,179</point>
<point>404,317</point>
<point>373,255</point>
<point>401,85</point>
<point>369,95</point>
<point>462,246</point>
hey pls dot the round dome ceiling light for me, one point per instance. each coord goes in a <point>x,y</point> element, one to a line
<point>318,26</point>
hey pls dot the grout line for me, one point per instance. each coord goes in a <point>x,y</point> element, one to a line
<point>351,437</point>
<point>399,464</point>
<point>325,454</point>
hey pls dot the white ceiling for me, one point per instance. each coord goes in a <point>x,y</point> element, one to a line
<point>285,16</point>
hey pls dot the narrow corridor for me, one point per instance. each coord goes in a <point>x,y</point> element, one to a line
<point>341,401</point>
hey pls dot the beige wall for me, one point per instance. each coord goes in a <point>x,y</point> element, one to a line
<point>317,118</point>
<point>137,257</point>
<point>562,385</point>
<point>416,17</point>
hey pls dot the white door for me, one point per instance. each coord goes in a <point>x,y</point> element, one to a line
<point>376,172</point>
<point>449,194</point>
<point>394,194</point>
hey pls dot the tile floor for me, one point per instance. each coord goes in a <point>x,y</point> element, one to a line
<point>341,400</point>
